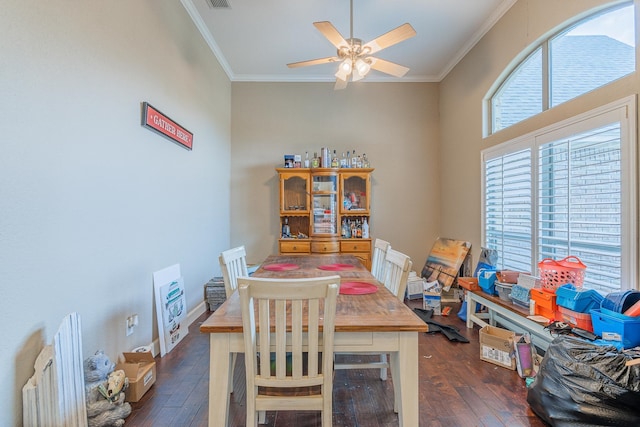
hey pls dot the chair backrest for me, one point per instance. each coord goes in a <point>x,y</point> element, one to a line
<point>380,248</point>
<point>286,307</point>
<point>398,266</point>
<point>233,263</point>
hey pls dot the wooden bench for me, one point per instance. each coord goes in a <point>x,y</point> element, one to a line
<point>507,314</point>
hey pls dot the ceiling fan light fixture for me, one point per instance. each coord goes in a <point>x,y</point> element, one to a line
<point>363,67</point>
<point>355,76</point>
<point>341,74</point>
<point>354,56</point>
<point>346,66</point>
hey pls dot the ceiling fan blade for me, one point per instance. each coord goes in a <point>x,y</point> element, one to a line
<point>313,62</point>
<point>388,67</point>
<point>329,31</point>
<point>403,32</point>
<point>340,84</point>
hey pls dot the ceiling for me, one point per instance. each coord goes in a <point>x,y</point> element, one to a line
<point>255,39</point>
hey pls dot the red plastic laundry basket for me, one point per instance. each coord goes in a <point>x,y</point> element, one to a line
<point>554,274</point>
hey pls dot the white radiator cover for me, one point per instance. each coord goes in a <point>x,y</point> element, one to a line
<point>54,395</point>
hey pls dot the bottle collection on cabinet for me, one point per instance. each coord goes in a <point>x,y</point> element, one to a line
<point>327,159</point>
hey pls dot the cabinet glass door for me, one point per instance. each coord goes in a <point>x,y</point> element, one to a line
<point>324,214</point>
<point>324,197</point>
<point>355,194</point>
<point>294,194</point>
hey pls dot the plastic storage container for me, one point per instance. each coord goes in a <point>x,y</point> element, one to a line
<point>578,299</point>
<point>634,310</point>
<point>616,327</point>
<point>575,318</point>
<point>521,291</point>
<point>554,274</point>
<point>520,296</point>
<point>486,280</point>
<point>509,276</point>
<point>620,301</point>
<point>469,283</point>
<point>545,303</point>
<point>504,290</point>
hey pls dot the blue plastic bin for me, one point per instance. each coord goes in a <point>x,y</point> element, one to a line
<point>616,327</point>
<point>578,299</point>
<point>620,301</point>
<point>487,280</point>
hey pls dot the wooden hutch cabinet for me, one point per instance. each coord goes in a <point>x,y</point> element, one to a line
<point>325,210</point>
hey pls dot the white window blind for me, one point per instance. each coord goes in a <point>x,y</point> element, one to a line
<point>579,203</point>
<point>508,209</point>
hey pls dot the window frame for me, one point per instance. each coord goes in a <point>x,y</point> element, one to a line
<point>542,44</point>
<point>623,111</point>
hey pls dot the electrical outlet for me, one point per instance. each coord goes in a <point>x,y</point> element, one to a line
<point>132,321</point>
<point>129,326</point>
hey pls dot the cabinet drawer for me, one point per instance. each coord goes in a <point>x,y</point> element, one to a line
<point>325,247</point>
<point>295,246</point>
<point>355,245</point>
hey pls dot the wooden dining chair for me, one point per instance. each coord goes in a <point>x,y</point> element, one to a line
<point>297,352</point>
<point>233,264</point>
<point>380,248</point>
<point>397,267</point>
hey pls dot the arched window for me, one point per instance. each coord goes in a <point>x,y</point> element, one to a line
<point>584,56</point>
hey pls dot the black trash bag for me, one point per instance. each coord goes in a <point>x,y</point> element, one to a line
<point>583,384</point>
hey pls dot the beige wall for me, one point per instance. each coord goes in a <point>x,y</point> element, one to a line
<point>396,125</point>
<point>92,203</point>
<point>461,101</point>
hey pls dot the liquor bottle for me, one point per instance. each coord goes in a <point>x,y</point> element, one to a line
<point>365,229</point>
<point>354,159</point>
<point>286,231</point>
<point>359,162</point>
<point>334,160</point>
<point>306,159</point>
<point>365,161</point>
<point>343,160</point>
<point>348,165</point>
<point>315,162</point>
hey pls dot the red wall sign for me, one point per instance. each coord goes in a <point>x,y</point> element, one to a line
<point>158,122</point>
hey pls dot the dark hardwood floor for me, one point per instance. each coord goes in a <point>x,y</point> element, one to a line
<point>456,388</point>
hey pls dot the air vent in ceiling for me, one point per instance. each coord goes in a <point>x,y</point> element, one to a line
<point>219,4</point>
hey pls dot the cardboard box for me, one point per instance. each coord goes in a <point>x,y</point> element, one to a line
<point>140,369</point>
<point>496,346</point>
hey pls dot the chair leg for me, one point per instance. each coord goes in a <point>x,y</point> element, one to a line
<point>383,371</point>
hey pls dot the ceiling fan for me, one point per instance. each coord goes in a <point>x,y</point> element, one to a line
<point>355,57</point>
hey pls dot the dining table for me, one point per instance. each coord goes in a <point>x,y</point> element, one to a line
<point>369,318</point>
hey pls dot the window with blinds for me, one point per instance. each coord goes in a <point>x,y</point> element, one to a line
<point>579,203</point>
<point>568,189</point>
<point>508,208</point>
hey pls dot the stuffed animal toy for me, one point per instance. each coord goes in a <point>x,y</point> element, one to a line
<point>104,392</point>
<point>116,383</point>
